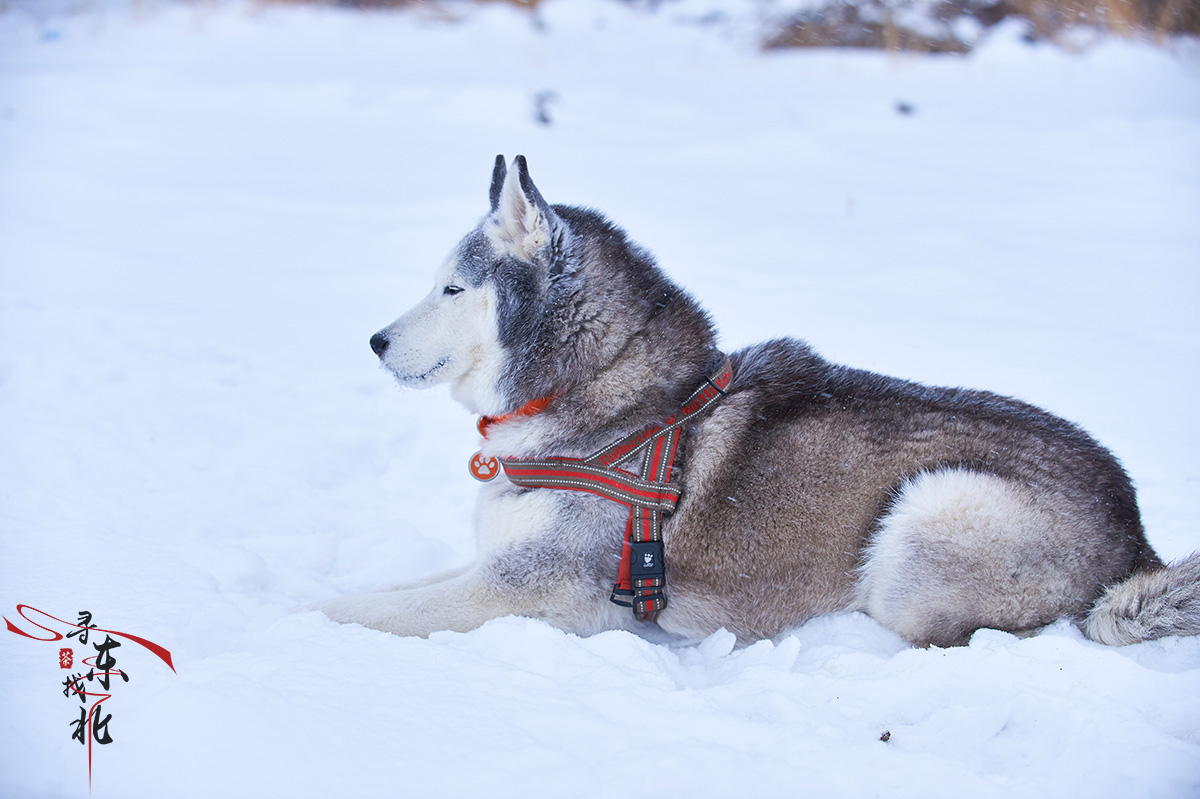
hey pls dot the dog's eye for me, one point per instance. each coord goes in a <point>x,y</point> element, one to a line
<point>450,291</point>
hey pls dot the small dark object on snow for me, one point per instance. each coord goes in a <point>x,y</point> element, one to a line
<point>905,109</point>
<point>541,103</point>
<point>887,736</point>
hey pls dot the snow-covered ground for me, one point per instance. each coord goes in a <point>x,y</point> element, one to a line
<point>206,210</point>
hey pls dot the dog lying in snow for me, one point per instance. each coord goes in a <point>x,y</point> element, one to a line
<point>775,485</point>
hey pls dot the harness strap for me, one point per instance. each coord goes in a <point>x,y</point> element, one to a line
<point>572,473</point>
<point>642,576</point>
<point>641,579</point>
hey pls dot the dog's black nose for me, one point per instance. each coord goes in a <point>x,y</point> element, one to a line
<point>379,344</point>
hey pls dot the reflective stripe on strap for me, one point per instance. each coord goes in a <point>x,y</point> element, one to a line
<point>569,473</point>
<point>709,392</point>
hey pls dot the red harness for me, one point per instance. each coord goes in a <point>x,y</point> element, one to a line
<point>641,581</point>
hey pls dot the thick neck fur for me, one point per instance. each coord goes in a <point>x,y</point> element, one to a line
<point>631,346</point>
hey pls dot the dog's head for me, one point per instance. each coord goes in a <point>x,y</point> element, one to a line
<point>538,300</point>
<point>490,307</point>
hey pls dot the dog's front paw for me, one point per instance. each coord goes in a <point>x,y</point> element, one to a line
<point>388,611</point>
<point>353,610</point>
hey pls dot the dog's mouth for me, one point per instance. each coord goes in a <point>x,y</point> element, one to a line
<point>424,376</point>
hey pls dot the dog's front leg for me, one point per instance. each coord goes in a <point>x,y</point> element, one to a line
<point>543,554</point>
<point>465,602</point>
<point>460,603</point>
<point>430,579</point>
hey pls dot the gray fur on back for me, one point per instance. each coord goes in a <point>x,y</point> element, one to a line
<point>810,459</point>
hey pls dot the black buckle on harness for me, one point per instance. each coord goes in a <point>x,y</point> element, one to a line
<point>646,560</point>
<point>621,596</point>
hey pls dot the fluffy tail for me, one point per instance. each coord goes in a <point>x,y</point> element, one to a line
<point>1150,604</point>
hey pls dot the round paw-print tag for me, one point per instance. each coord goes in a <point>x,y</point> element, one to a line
<point>484,468</point>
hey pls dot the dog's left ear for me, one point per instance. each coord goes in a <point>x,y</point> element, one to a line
<point>499,171</point>
<point>524,220</point>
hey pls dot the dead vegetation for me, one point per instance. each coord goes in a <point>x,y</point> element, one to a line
<point>954,26</point>
<point>930,26</point>
<point>367,4</point>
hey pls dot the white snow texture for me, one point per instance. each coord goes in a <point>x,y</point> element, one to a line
<point>206,209</point>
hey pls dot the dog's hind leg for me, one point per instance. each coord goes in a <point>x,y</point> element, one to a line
<point>959,550</point>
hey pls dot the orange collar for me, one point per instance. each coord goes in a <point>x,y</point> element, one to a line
<point>528,409</point>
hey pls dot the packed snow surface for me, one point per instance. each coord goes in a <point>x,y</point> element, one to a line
<point>206,210</point>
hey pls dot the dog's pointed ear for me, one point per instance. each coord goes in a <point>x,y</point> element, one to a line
<point>498,173</point>
<point>524,221</point>
<point>527,188</point>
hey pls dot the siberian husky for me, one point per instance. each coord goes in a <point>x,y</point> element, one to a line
<point>800,488</point>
